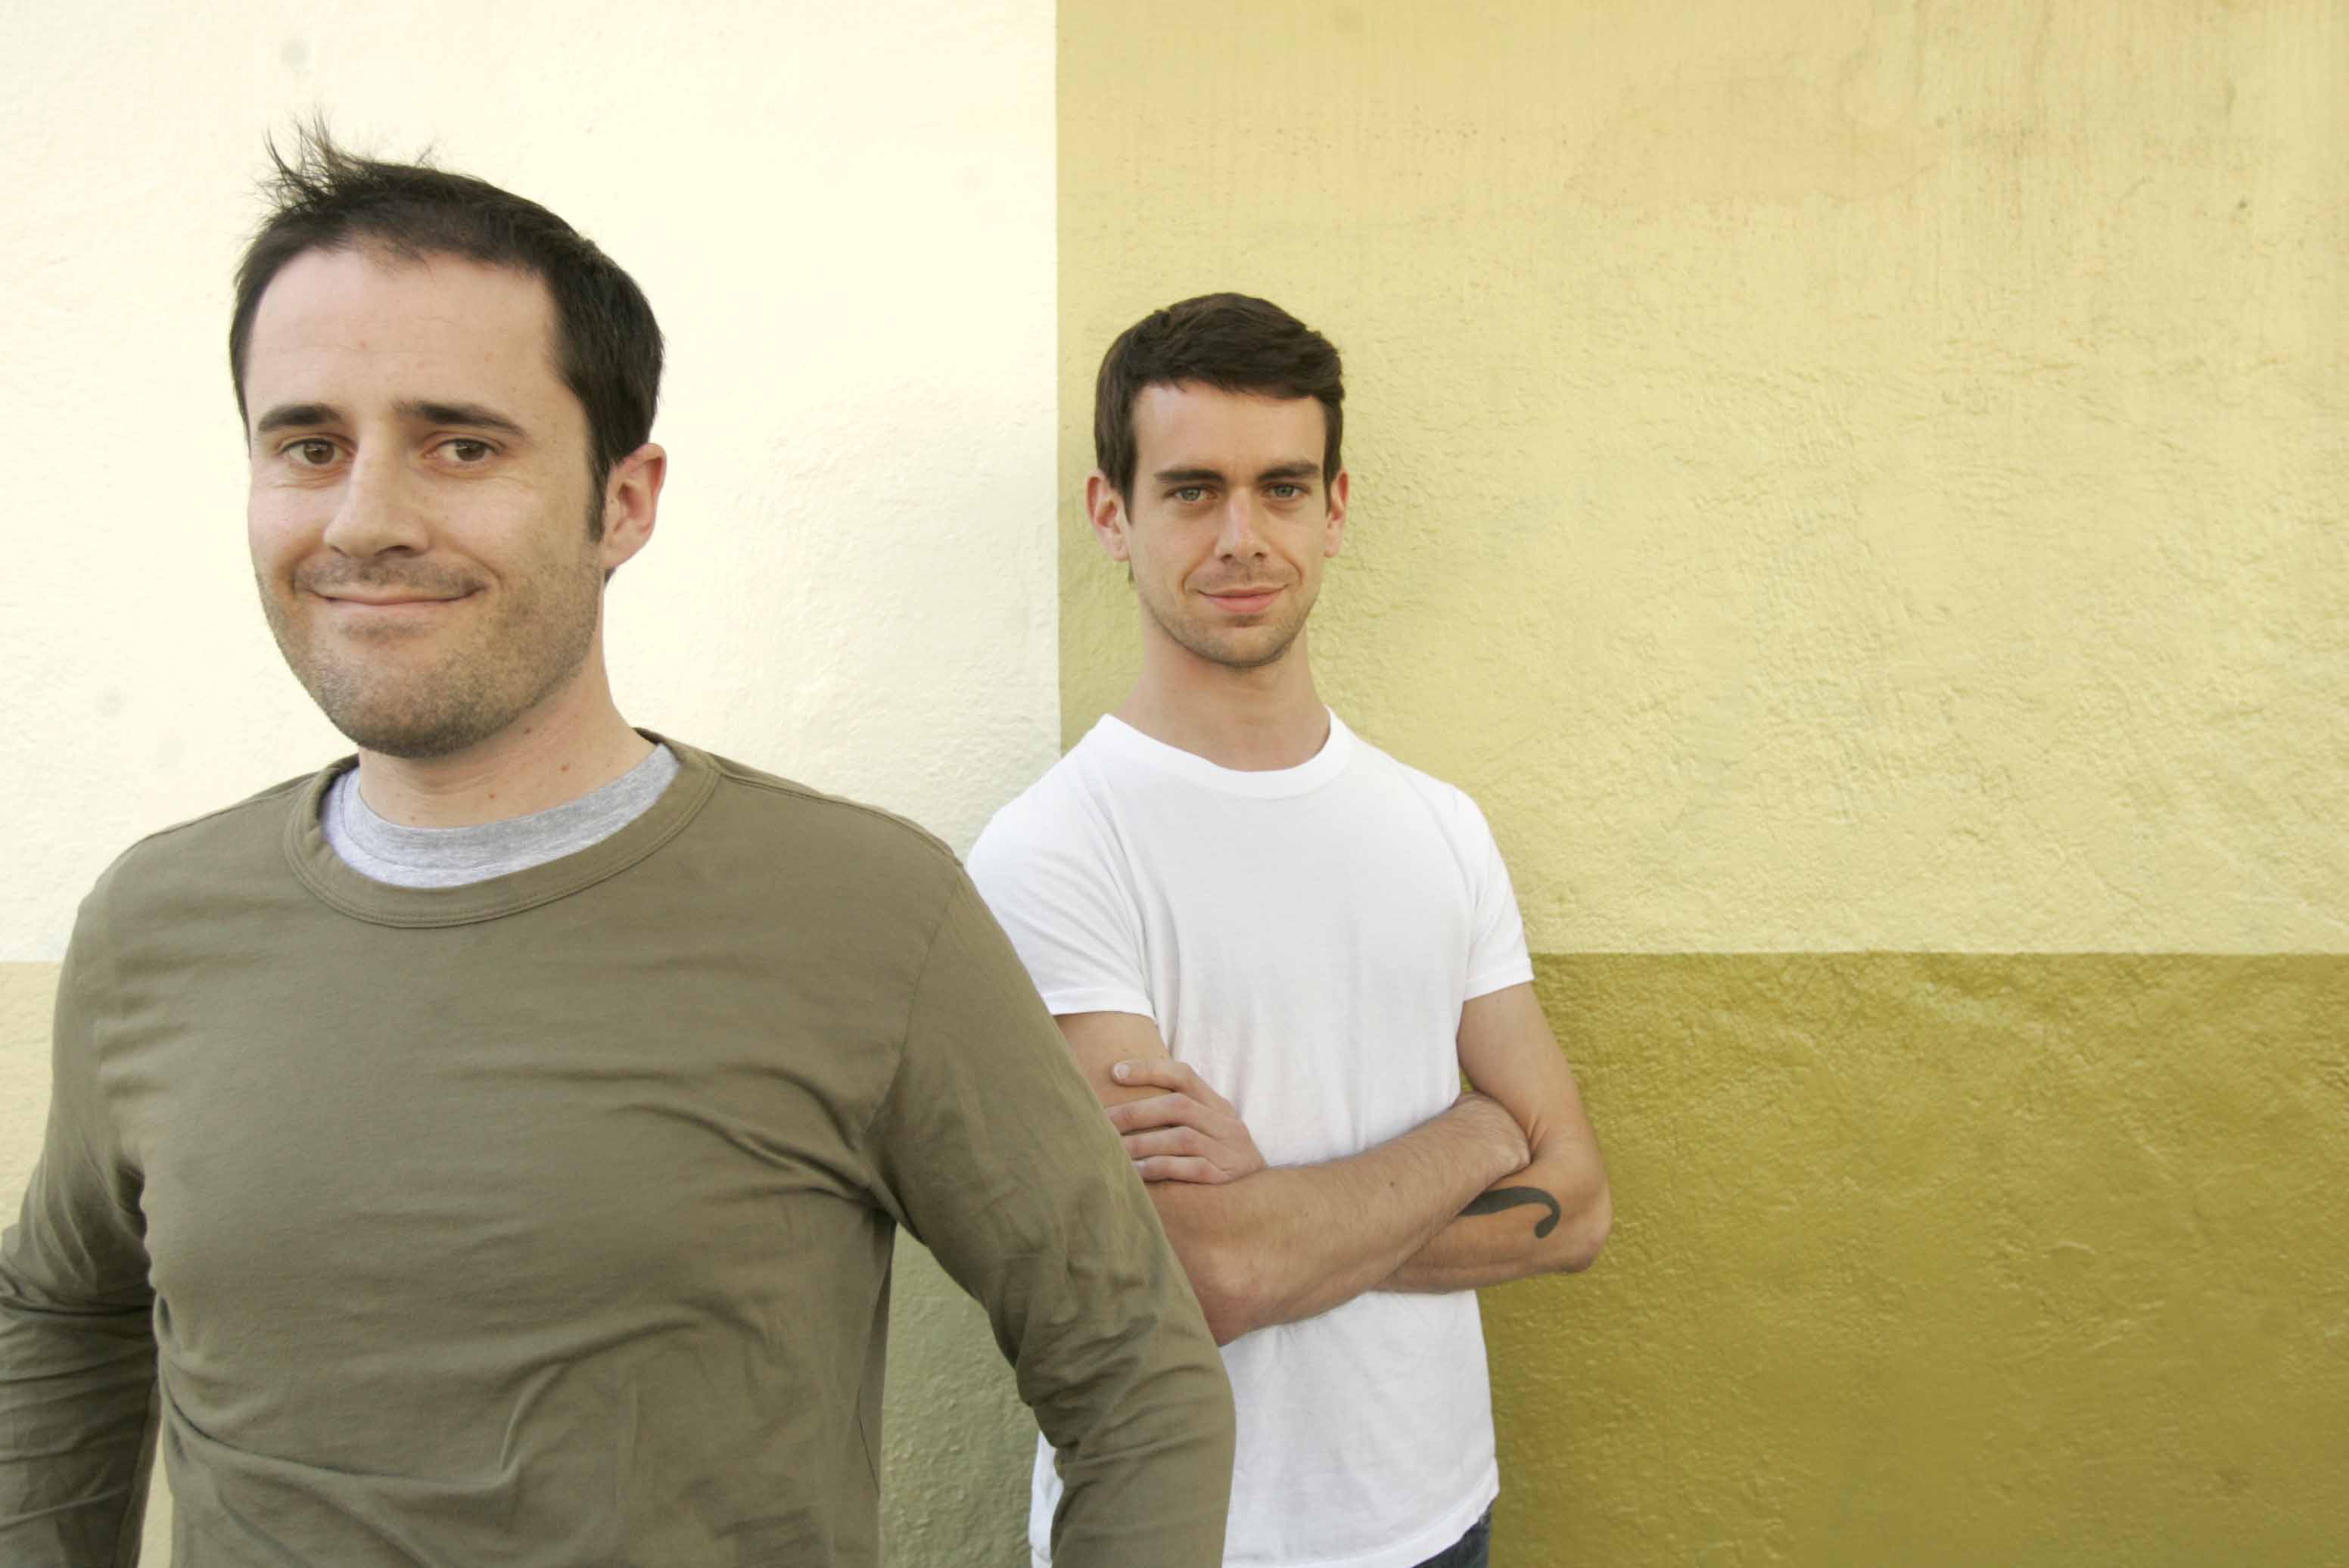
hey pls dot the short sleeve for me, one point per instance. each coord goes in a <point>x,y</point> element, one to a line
<point>1051,879</point>
<point>1497,958</point>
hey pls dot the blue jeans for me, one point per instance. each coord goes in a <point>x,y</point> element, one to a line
<point>1474,1550</point>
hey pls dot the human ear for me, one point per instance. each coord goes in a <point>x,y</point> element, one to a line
<point>631,503</point>
<point>1333,524</point>
<point>1105,509</point>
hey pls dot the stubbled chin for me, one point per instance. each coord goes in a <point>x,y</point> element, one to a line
<point>383,629</point>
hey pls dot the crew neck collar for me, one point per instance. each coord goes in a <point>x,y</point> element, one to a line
<point>1262,784</point>
<point>325,872</point>
<point>457,852</point>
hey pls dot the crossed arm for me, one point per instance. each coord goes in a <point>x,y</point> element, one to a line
<point>1507,1183</point>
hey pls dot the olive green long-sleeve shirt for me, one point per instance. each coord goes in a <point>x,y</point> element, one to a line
<point>547,1220</point>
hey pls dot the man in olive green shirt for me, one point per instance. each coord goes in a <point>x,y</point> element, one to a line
<point>489,1150</point>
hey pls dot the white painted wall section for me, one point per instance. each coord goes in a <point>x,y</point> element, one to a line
<point>843,218</point>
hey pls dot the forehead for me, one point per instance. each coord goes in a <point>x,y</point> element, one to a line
<point>1190,425</point>
<point>360,325</point>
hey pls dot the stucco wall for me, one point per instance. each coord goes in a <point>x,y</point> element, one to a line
<point>1942,1259</point>
<point>1831,475</point>
<point>1856,490</point>
<point>843,218</point>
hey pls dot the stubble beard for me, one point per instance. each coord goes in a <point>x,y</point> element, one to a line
<point>530,646</point>
<point>1216,644</point>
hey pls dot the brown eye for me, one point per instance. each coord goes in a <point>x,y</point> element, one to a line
<point>313,454</point>
<point>465,453</point>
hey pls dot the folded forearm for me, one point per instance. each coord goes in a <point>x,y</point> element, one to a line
<point>1550,1217</point>
<point>1292,1242</point>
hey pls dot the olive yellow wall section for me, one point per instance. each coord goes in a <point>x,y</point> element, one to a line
<point>1943,1259</point>
<point>1827,475</point>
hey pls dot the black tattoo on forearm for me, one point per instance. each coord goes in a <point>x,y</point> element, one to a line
<point>1501,1198</point>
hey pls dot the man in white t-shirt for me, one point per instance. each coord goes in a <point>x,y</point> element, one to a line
<point>1275,950</point>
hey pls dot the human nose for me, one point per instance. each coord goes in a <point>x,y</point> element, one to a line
<point>1236,534</point>
<point>376,509</point>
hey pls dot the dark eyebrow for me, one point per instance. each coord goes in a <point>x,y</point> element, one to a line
<point>473,416</point>
<point>296,416</point>
<point>1279,473</point>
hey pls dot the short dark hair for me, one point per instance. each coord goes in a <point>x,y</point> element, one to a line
<point>1232,342</point>
<point>608,346</point>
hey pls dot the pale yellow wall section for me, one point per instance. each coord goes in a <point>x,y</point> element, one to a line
<point>1827,476</point>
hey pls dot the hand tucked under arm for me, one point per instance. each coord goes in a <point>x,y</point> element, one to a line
<point>1283,1242</point>
<point>1292,1242</point>
<point>1190,1133</point>
<point>1551,1217</point>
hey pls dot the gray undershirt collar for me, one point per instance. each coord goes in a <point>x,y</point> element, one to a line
<point>453,857</point>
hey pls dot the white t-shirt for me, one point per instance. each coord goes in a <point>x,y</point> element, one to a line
<point>1305,938</point>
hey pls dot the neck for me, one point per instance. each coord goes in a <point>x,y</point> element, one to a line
<point>568,746</point>
<point>1249,720</point>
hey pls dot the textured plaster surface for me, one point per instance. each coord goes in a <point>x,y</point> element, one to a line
<point>1943,1259</point>
<point>1840,477</point>
<point>842,216</point>
<point>1827,475</point>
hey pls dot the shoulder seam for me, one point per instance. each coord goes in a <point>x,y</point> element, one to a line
<point>275,795</point>
<point>259,797</point>
<point>734,774</point>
